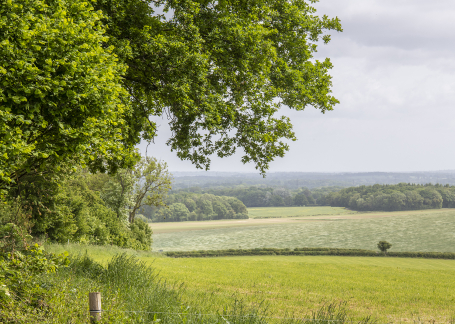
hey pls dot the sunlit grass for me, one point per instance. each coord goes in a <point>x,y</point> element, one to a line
<point>389,289</point>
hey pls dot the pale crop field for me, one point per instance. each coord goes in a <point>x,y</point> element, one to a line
<point>388,289</point>
<point>428,230</point>
<point>277,212</point>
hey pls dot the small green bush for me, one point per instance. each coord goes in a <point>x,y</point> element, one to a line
<point>22,298</point>
<point>383,246</point>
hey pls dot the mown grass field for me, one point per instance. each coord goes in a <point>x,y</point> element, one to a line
<point>278,212</point>
<point>388,289</point>
<point>426,230</point>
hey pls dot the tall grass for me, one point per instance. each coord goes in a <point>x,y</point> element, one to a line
<point>133,291</point>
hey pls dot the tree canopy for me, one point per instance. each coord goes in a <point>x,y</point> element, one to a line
<point>61,97</point>
<point>220,71</point>
<point>83,82</point>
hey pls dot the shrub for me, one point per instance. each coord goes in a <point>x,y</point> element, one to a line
<point>384,246</point>
<point>21,265</point>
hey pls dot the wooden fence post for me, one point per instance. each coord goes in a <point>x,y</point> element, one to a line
<point>94,300</point>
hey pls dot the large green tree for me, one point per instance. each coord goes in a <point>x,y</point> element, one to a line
<point>81,82</point>
<point>220,71</point>
<point>61,95</point>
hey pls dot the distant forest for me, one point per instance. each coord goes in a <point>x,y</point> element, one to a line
<point>403,196</point>
<point>190,206</point>
<point>310,180</point>
<point>261,196</point>
<point>232,202</point>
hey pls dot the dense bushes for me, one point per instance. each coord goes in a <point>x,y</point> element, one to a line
<point>71,209</point>
<point>392,197</point>
<point>307,251</point>
<point>21,266</point>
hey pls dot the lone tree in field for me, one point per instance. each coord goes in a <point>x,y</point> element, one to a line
<point>384,246</point>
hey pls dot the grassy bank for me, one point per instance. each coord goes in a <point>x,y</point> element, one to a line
<point>138,282</point>
<point>388,289</point>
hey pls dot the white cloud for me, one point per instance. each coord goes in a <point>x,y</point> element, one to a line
<point>394,73</point>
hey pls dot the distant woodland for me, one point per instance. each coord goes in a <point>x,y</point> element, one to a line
<point>232,202</point>
<point>392,197</point>
<point>310,180</point>
<point>190,206</point>
<point>194,204</point>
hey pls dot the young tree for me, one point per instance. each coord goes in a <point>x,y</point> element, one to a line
<point>384,246</point>
<point>130,189</point>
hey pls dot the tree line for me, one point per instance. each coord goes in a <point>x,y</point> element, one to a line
<point>187,206</point>
<point>262,196</point>
<point>403,196</point>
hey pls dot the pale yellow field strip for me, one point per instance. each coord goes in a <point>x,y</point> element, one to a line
<point>169,227</point>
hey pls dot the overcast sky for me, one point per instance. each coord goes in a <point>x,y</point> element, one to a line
<point>394,73</point>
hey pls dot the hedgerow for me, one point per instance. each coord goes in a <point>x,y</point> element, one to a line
<point>307,251</point>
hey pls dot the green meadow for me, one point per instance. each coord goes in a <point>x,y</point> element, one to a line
<point>388,289</point>
<point>278,212</point>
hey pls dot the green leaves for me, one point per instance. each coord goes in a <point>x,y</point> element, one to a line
<point>130,189</point>
<point>221,71</point>
<point>80,86</point>
<point>61,98</point>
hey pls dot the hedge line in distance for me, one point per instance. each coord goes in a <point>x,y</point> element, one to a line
<point>307,251</point>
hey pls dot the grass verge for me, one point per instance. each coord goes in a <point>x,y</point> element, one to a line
<point>134,291</point>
